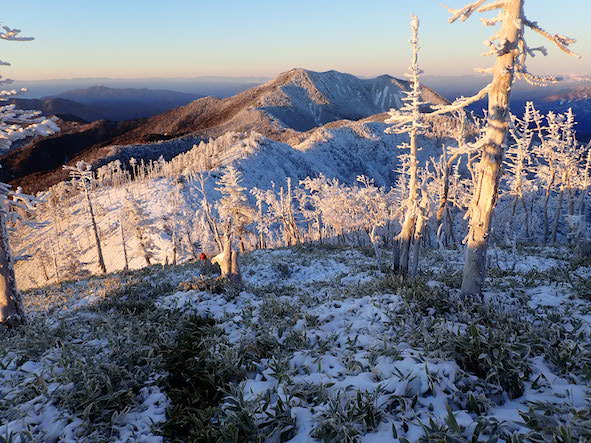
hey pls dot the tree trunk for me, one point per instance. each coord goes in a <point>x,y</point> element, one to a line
<point>99,250</point>
<point>125,257</point>
<point>557,215</point>
<point>235,275</point>
<point>12,312</point>
<point>395,255</point>
<point>490,165</point>
<point>546,201</point>
<point>174,248</point>
<point>443,203</point>
<point>415,248</point>
<point>55,263</point>
<point>410,218</point>
<point>375,242</point>
<point>228,262</point>
<point>525,211</point>
<point>405,240</point>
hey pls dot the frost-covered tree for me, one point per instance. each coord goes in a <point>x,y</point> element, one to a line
<point>352,209</point>
<point>263,219</point>
<point>280,204</point>
<point>83,178</point>
<point>137,218</point>
<point>511,51</point>
<point>235,214</point>
<point>517,160</point>
<point>12,206</point>
<point>375,204</point>
<point>14,125</point>
<point>206,208</point>
<point>559,171</point>
<point>409,120</point>
<point>585,180</point>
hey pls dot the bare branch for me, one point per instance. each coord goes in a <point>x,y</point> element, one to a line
<point>561,41</point>
<point>12,34</point>
<point>461,102</point>
<point>465,12</point>
<point>499,4</point>
<point>535,80</point>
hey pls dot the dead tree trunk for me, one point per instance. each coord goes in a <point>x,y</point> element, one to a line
<point>491,160</point>
<point>124,245</point>
<point>97,240</point>
<point>12,312</point>
<point>557,214</point>
<point>546,201</point>
<point>228,262</point>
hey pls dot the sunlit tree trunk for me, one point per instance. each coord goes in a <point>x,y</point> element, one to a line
<point>491,160</point>
<point>12,312</point>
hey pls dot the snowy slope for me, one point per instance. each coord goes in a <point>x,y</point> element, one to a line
<point>347,350</point>
<point>344,152</point>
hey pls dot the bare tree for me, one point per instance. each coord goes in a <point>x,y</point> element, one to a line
<point>511,51</point>
<point>82,175</point>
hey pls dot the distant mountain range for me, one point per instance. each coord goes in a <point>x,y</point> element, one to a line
<point>198,86</point>
<point>103,103</point>
<point>296,108</point>
<point>293,103</point>
<point>579,99</point>
<point>573,90</point>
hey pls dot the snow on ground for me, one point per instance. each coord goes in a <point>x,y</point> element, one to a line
<point>342,350</point>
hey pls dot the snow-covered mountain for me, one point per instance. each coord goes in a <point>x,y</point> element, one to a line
<point>296,101</point>
<point>577,98</point>
<point>344,152</point>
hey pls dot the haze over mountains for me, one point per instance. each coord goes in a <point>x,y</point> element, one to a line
<point>103,103</point>
<point>199,86</point>
<point>284,108</point>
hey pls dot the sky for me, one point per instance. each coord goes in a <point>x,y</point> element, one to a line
<point>192,38</point>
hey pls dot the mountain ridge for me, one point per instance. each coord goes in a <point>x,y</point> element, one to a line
<point>282,109</point>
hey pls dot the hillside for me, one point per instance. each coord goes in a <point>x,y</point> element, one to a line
<point>282,109</point>
<point>59,107</point>
<point>319,346</point>
<point>579,99</point>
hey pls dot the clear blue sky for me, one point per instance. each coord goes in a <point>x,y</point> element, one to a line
<point>189,38</point>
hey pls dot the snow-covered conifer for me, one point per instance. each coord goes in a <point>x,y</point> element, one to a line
<point>235,214</point>
<point>410,120</point>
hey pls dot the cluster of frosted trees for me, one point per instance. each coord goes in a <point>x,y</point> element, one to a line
<point>542,199</point>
